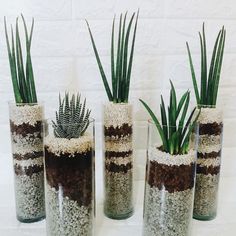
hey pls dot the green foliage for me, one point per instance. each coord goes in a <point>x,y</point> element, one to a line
<point>121,62</point>
<point>72,117</point>
<point>174,128</point>
<point>22,75</point>
<point>209,80</point>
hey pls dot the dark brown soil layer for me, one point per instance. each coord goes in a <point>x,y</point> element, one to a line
<point>211,128</point>
<point>213,170</point>
<point>123,131</point>
<point>210,155</point>
<point>110,154</point>
<point>27,156</point>
<point>171,178</point>
<point>26,129</point>
<point>112,167</point>
<point>19,170</point>
<point>72,174</point>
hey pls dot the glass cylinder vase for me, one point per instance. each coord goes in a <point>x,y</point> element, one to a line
<point>27,148</point>
<point>70,182</point>
<point>118,166</point>
<point>169,189</point>
<point>208,163</point>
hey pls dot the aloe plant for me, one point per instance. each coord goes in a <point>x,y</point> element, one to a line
<point>174,127</point>
<point>72,117</point>
<point>21,74</point>
<point>207,94</point>
<point>121,61</point>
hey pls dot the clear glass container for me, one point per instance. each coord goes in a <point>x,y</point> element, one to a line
<point>169,188</point>
<point>70,182</point>
<point>118,160</point>
<point>208,163</point>
<point>27,150</point>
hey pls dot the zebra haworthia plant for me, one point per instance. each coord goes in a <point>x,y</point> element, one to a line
<point>174,129</point>
<point>121,61</point>
<point>207,94</point>
<point>21,72</point>
<point>72,117</point>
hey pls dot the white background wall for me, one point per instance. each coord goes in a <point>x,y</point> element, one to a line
<point>63,58</point>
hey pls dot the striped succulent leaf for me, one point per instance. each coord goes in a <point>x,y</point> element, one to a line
<point>72,117</point>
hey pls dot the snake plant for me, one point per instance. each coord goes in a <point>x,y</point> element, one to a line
<point>210,77</point>
<point>22,74</point>
<point>121,61</point>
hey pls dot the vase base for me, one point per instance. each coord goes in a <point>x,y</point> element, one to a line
<point>30,220</point>
<point>119,217</point>
<point>204,218</point>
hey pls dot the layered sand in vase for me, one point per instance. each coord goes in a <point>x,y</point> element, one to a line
<point>69,185</point>
<point>208,163</point>
<point>27,149</point>
<point>169,189</point>
<point>118,132</point>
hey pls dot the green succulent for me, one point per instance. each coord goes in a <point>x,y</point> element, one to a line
<point>72,117</point>
<point>207,94</point>
<point>175,128</point>
<point>121,63</point>
<point>22,75</point>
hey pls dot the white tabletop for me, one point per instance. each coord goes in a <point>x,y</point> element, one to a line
<point>223,225</point>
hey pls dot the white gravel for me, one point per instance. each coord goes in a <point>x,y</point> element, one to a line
<point>117,114</point>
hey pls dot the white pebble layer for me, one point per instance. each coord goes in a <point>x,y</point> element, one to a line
<point>28,114</point>
<point>28,144</point>
<point>30,162</point>
<point>209,148</point>
<point>60,146</point>
<point>171,160</point>
<point>118,193</point>
<point>207,140</point>
<point>167,214</point>
<point>119,160</point>
<point>66,217</point>
<point>206,193</point>
<point>202,162</point>
<point>210,115</point>
<point>118,146</point>
<point>117,114</point>
<point>30,196</point>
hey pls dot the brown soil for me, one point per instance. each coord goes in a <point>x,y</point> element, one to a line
<point>211,128</point>
<point>112,167</point>
<point>211,155</point>
<point>27,171</point>
<point>110,154</point>
<point>123,131</point>
<point>26,129</point>
<point>213,170</point>
<point>27,156</point>
<point>172,178</point>
<point>73,174</point>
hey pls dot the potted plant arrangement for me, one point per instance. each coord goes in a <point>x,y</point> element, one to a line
<point>170,170</point>
<point>26,116</point>
<point>118,124</point>
<point>210,128</point>
<point>69,166</point>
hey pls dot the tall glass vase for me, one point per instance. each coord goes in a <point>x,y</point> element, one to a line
<point>169,189</point>
<point>118,161</point>
<point>27,149</point>
<point>70,183</point>
<point>208,163</point>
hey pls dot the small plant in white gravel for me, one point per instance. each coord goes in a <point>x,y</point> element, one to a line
<point>69,164</point>
<point>170,176</point>
<point>26,117</point>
